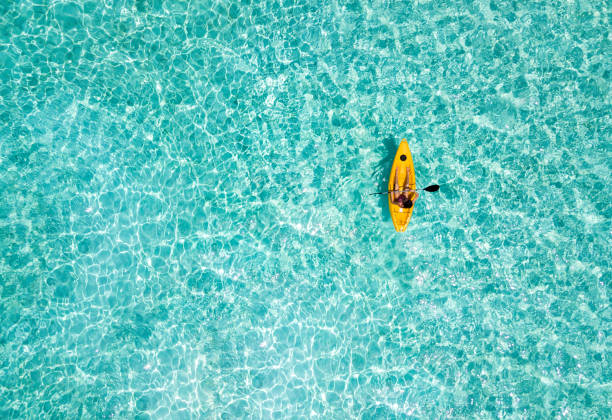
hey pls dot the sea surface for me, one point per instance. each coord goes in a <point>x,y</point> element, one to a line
<point>186,230</point>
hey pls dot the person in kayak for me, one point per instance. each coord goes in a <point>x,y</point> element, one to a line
<point>405,198</point>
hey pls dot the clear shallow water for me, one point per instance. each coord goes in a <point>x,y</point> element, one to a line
<point>185,230</point>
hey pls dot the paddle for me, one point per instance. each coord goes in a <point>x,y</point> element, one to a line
<point>431,188</point>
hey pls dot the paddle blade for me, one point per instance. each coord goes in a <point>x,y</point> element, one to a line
<point>432,188</point>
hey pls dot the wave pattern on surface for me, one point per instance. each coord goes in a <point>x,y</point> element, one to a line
<point>185,231</point>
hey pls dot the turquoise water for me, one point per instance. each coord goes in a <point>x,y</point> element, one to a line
<point>185,230</point>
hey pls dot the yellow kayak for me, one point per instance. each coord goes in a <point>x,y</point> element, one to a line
<point>403,160</point>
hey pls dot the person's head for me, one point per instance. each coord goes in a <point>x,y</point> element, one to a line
<point>404,202</point>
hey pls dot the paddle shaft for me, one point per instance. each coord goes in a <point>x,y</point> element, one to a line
<point>418,189</point>
<point>389,192</point>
